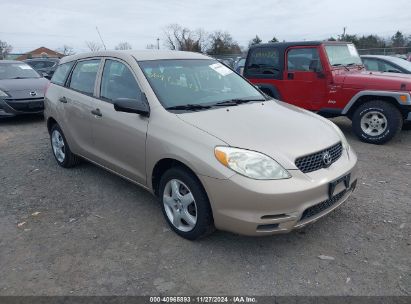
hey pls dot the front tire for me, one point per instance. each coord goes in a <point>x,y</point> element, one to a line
<point>61,149</point>
<point>185,204</point>
<point>376,122</point>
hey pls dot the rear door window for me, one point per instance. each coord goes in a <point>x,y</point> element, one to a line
<point>60,75</point>
<point>263,62</point>
<point>118,82</point>
<point>84,75</point>
<point>303,60</point>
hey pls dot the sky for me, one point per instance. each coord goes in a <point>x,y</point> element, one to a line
<point>28,24</point>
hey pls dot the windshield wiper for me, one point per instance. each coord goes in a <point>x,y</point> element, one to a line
<point>340,64</point>
<point>189,107</point>
<point>235,102</point>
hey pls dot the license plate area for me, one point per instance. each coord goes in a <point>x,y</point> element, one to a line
<point>340,184</point>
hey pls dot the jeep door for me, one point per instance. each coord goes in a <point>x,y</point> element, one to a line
<point>119,137</point>
<point>304,82</point>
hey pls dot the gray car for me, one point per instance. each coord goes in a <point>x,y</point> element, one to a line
<point>387,64</point>
<point>21,89</point>
<point>44,66</point>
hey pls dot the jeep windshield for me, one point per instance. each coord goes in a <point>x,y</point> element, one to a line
<point>197,84</point>
<point>343,55</point>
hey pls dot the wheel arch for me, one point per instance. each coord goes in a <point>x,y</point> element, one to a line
<point>269,89</point>
<point>50,123</point>
<point>365,96</point>
<point>162,166</point>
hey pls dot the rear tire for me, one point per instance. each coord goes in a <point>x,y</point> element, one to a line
<point>185,204</point>
<point>61,149</point>
<point>376,122</point>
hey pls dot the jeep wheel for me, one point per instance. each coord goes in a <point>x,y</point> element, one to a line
<point>376,122</point>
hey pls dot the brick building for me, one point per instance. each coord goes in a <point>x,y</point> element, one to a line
<point>41,52</point>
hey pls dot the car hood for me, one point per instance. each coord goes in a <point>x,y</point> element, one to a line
<point>279,130</point>
<point>21,88</point>
<point>377,80</point>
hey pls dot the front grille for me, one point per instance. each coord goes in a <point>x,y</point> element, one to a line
<point>27,105</point>
<point>314,210</point>
<point>313,162</point>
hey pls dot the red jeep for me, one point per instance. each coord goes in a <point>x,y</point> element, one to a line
<point>330,79</point>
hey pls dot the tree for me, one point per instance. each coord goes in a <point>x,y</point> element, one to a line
<point>273,40</point>
<point>5,49</point>
<point>222,43</point>
<point>183,39</point>
<point>349,38</point>
<point>66,50</point>
<point>93,46</point>
<point>398,40</point>
<point>331,39</point>
<point>370,42</point>
<point>123,46</point>
<point>255,40</point>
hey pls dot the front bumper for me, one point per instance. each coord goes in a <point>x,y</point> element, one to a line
<point>11,107</point>
<point>255,207</point>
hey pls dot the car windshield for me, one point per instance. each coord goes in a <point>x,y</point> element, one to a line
<point>401,62</point>
<point>342,55</point>
<point>196,82</point>
<point>17,70</point>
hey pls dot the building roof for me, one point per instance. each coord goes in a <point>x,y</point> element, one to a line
<point>39,51</point>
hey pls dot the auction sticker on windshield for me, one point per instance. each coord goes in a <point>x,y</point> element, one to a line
<point>221,69</point>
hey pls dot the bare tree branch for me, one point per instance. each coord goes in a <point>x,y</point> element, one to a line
<point>93,46</point>
<point>66,50</point>
<point>123,46</point>
<point>5,49</point>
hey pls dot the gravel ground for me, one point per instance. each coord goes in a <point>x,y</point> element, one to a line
<point>85,231</point>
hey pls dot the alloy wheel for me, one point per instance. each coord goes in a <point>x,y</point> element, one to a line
<point>374,123</point>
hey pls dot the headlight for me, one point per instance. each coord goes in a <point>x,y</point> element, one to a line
<point>250,164</point>
<point>3,94</point>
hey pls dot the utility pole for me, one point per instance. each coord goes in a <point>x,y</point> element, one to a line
<point>158,43</point>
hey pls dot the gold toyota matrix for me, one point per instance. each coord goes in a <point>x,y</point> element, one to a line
<point>214,149</point>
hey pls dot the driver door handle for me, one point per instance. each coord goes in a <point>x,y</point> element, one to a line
<point>96,112</point>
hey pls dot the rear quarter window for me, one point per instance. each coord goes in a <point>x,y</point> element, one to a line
<point>61,73</point>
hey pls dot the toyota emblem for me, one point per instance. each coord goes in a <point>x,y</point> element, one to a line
<point>33,93</point>
<point>327,159</point>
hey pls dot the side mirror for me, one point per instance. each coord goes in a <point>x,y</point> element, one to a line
<point>128,105</point>
<point>46,75</point>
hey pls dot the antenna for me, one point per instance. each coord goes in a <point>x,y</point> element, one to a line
<point>98,32</point>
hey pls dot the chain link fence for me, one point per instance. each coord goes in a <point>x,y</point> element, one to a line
<point>402,51</point>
